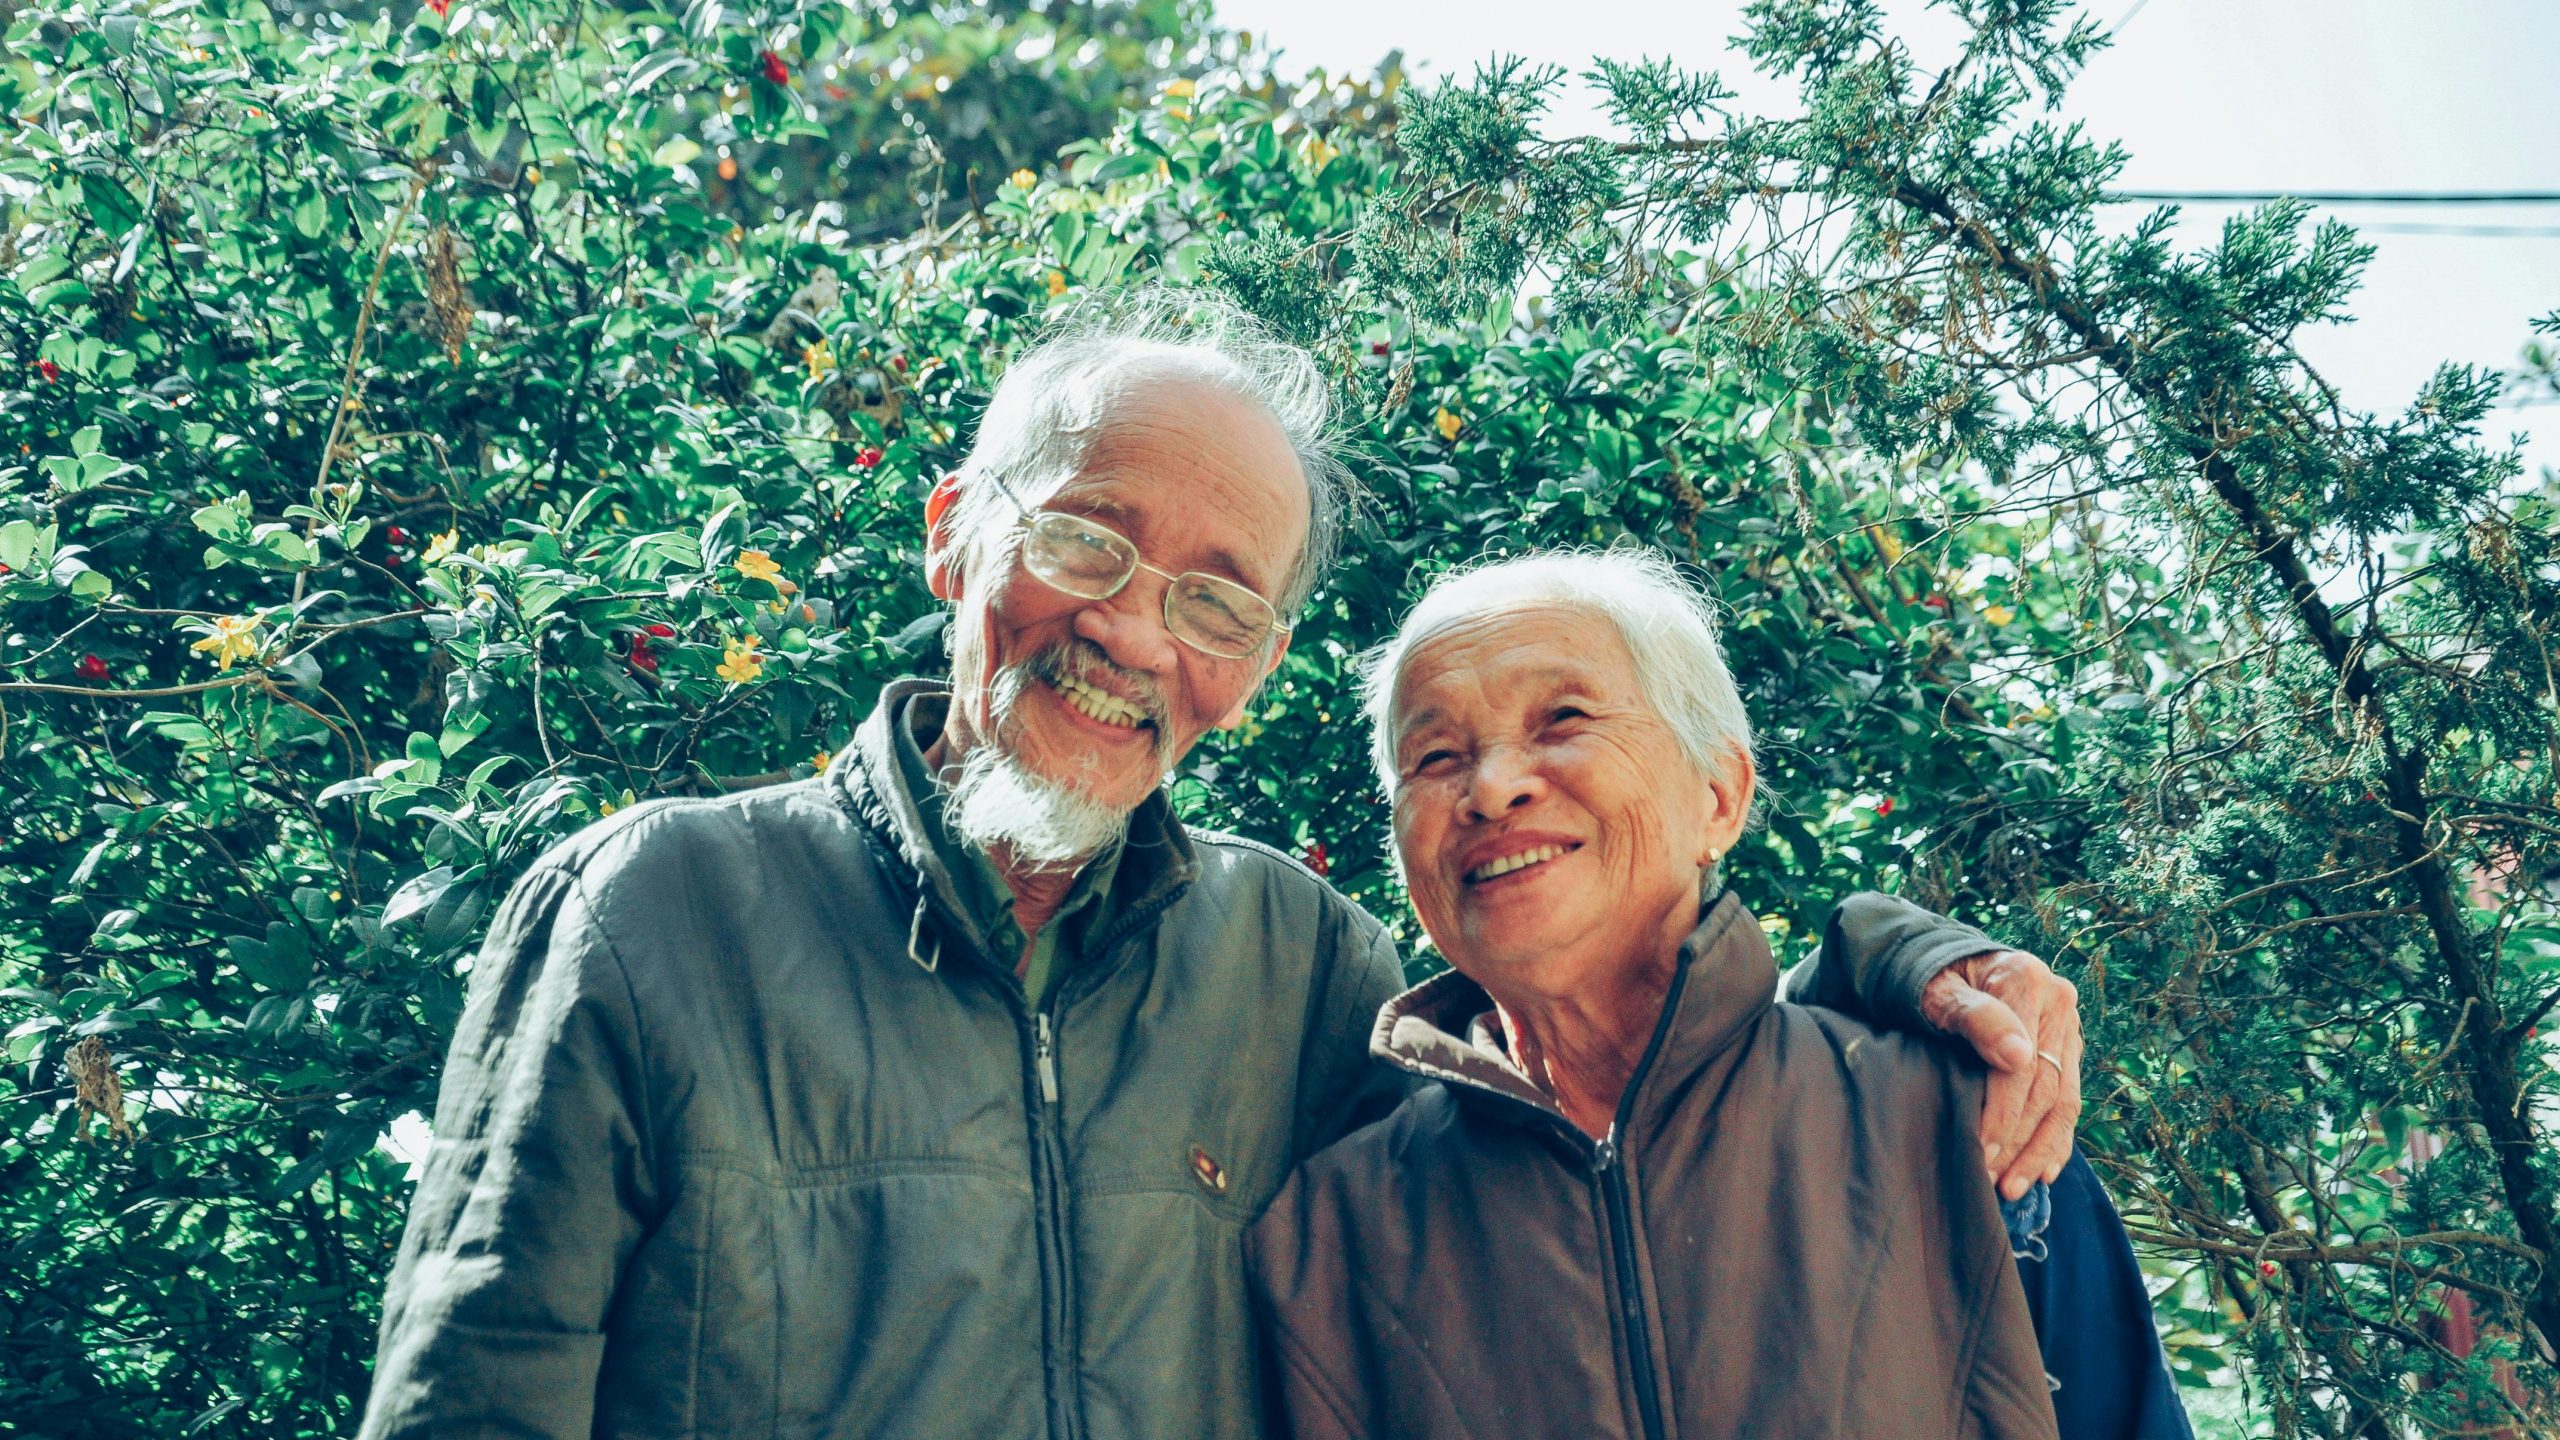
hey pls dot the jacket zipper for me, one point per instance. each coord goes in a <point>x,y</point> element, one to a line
<point>1049,1183</point>
<point>1609,1173</point>
<point>1611,1177</point>
<point>1049,1180</point>
<point>1044,1057</point>
<point>1057,1264</point>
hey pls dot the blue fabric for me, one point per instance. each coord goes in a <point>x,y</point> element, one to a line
<point>2026,1218</point>
<point>2093,1317</point>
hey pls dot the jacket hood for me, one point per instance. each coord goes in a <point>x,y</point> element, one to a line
<point>1446,1028</point>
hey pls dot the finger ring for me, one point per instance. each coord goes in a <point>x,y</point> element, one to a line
<point>2058,1072</point>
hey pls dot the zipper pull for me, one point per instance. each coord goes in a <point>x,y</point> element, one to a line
<point>1604,1154</point>
<point>1044,1058</point>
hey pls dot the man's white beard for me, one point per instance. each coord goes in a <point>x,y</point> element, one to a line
<point>999,801</point>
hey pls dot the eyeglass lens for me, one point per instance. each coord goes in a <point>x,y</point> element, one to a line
<point>1086,560</point>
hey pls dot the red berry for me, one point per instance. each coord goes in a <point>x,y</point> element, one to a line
<point>866,458</point>
<point>2267,1268</point>
<point>91,668</point>
<point>1316,860</point>
<point>395,535</point>
<point>775,70</point>
<point>641,659</point>
<point>1884,807</point>
<point>48,370</point>
<point>1380,347</point>
<point>440,6</point>
<point>1937,603</point>
<point>898,363</point>
<point>662,630</point>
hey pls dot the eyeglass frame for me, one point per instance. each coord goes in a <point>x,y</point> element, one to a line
<point>1137,562</point>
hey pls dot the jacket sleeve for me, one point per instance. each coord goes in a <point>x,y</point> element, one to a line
<point>1878,954</point>
<point>2092,1313</point>
<point>1340,1088</point>
<point>534,1191</point>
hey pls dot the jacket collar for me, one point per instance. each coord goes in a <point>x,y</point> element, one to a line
<point>1156,862</point>
<point>1445,1028</point>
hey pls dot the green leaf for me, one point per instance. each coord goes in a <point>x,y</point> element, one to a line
<point>111,206</point>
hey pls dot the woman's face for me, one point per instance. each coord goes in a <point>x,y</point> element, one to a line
<point>1551,829</point>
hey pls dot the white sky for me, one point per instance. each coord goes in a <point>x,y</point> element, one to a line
<point>2206,95</point>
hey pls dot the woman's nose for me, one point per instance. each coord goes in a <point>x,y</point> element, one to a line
<point>1504,781</point>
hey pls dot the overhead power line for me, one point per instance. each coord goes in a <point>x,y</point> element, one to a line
<point>2344,197</point>
<point>2492,232</point>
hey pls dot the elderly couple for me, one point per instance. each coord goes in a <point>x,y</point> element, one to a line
<point>960,1091</point>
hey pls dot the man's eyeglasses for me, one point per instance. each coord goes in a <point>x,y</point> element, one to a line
<point>1091,561</point>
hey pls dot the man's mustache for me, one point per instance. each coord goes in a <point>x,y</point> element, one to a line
<point>1082,660</point>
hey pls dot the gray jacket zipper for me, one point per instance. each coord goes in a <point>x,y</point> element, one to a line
<point>1057,1262</point>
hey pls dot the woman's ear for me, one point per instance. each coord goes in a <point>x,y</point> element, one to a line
<point>1729,793</point>
<point>943,572</point>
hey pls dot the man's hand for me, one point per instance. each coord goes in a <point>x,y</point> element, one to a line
<point>2024,1020</point>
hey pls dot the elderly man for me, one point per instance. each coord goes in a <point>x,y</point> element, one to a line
<point>932,1096</point>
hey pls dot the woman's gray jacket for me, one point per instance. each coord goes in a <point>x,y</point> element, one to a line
<point>745,1131</point>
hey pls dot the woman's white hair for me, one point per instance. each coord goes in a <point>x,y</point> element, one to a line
<point>1056,397</point>
<point>1669,627</point>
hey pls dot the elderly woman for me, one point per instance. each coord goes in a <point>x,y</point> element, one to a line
<point>1643,1199</point>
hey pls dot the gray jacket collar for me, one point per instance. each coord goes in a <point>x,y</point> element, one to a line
<point>1156,864</point>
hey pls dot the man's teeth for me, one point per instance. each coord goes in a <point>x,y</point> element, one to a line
<point>1101,705</point>
<point>1509,863</point>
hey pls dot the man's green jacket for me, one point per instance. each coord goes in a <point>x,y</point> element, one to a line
<point>746,1131</point>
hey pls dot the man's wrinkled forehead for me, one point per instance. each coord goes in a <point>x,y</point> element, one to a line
<point>1171,429</point>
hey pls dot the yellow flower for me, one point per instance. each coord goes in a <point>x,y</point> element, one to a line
<point>1317,151</point>
<point>1057,283</point>
<point>442,546</point>
<point>817,359</point>
<point>739,662</point>
<point>1180,90</point>
<point>1889,543</point>
<point>1449,424</point>
<point>234,637</point>
<point>820,761</point>
<point>1024,179</point>
<point>606,807</point>
<point>1999,614</point>
<point>757,565</point>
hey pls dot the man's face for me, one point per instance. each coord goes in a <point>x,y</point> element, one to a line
<point>1097,695</point>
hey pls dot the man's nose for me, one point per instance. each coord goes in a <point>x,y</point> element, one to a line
<point>1505,780</point>
<point>1130,627</point>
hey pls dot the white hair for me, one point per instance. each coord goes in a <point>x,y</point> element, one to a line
<point>1669,627</point>
<point>1058,396</point>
